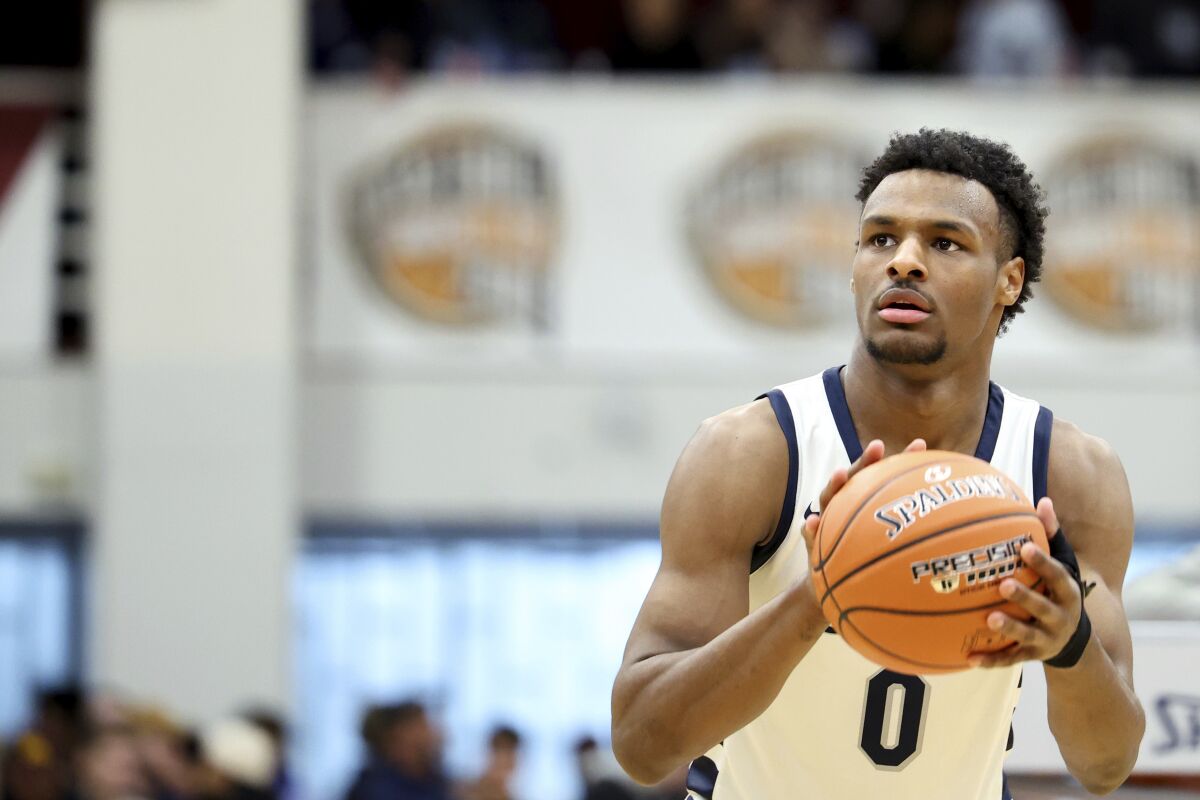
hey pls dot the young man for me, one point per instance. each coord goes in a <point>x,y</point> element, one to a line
<point>730,656</point>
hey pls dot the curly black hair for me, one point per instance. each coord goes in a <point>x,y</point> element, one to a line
<point>1021,201</point>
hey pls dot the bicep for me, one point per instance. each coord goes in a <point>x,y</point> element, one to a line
<point>723,496</point>
<point>688,606</point>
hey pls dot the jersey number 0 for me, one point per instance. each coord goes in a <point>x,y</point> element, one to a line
<point>888,742</point>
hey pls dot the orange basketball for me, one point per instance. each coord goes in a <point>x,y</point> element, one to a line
<point>909,557</point>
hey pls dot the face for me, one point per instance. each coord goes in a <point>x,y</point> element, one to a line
<point>931,277</point>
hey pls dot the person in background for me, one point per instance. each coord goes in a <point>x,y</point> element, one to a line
<point>108,766</point>
<point>240,760</point>
<point>657,37</point>
<point>404,760</point>
<point>40,763</point>
<point>274,726</point>
<point>504,748</point>
<point>601,776</point>
<point>1012,39</point>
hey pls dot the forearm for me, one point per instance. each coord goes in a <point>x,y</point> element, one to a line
<point>672,707</point>
<point>1096,719</point>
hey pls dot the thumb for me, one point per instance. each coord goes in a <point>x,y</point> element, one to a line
<point>1045,512</point>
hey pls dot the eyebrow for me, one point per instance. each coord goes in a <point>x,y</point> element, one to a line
<point>940,224</point>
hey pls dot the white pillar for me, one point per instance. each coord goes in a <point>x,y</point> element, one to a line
<point>195,112</point>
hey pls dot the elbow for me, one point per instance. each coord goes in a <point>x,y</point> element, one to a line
<point>1099,782</point>
<point>1106,776</point>
<point>637,757</point>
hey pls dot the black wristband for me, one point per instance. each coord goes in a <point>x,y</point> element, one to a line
<point>1073,650</point>
<point>1061,551</point>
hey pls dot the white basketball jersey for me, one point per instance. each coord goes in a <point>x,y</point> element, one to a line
<point>843,727</point>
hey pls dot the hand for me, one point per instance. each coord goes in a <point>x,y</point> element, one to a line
<point>1055,616</point>
<point>872,453</point>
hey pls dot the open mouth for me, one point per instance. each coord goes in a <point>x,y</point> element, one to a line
<point>903,307</point>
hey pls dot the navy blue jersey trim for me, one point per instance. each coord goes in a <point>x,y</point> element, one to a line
<point>783,413</point>
<point>991,423</point>
<point>702,777</point>
<point>841,412</point>
<point>1005,794</point>
<point>836,395</point>
<point>1041,452</point>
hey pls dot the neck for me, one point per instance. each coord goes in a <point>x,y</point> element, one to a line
<point>943,404</point>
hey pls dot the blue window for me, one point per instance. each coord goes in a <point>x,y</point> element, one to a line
<point>488,626</point>
<point>39,615</point>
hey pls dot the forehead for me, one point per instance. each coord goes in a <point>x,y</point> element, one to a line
<point>922,194</point>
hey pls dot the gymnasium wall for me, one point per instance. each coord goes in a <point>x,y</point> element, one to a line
<point>523,298</point>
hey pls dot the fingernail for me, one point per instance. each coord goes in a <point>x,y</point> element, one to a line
<point>995,621</point>
<point>1007,588</point>
<point>1029,552</point>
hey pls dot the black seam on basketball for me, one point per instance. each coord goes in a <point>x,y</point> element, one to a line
<point>821,562</point>
<point>932,535</point>
<point>843,620</point>
<point>897,656</point>
<point>906,612</point>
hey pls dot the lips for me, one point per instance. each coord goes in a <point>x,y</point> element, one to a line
<point>904,306</point>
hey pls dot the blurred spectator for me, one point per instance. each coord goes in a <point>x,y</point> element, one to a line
<point>1160,38</point>
<point>39,765</point>
<point>504,748</point>
<point>404,760</point>
<point>274,726</point>
<point>241,758</point>
<point>1018,38</point>
<point>109,768</point>
<point>657,37</point>
<point>160,747</point>
<point>32,770</point>
<point>732,35</point>
<point>599,773</point>
<point>1012,38</point>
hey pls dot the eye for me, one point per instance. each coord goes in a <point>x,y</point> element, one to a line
<point>945,245</point>
<point>881,240</point>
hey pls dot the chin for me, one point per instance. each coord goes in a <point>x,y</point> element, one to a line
<point>906,349</point>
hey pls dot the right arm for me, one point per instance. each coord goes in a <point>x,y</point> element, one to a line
<point>698,665</point>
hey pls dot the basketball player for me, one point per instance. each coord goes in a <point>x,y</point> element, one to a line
<point>730,662</point>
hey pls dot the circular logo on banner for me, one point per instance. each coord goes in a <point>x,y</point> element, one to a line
<point>458,227</point>
<point>774,226</point>
<point>1123,239</point>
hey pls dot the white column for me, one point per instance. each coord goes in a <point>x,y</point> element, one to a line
<point>195,113</point>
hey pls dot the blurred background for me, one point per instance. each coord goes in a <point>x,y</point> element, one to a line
<point>346,347</point>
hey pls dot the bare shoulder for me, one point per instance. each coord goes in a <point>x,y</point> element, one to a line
<point>728,486</point>
<point>1081,465</point>
<point>1091,496</point>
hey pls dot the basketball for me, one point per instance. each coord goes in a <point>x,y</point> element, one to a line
<point>909,556</point>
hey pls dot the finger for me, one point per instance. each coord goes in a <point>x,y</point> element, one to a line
<point>811,523</point>
<point>1020,632</point>
<point>1059,581</point>
<point>1041,607</point>
<point>871,453</point>
<point>916,446</point>
<point>836,482</point>
<point>1045,512</point>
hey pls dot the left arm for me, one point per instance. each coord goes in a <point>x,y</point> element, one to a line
<point>1094,714</point>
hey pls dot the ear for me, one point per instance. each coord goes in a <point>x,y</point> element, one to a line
<point>1010,279</point>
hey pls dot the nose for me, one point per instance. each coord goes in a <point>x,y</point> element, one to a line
<point>907,263</point>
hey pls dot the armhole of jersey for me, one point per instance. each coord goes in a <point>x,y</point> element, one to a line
<point>1041,452</point>
<point>702,777</point>
<point>783,414</point>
